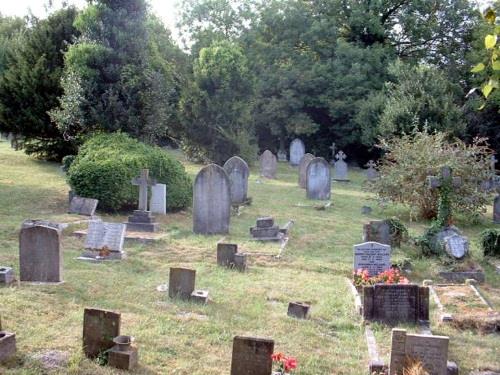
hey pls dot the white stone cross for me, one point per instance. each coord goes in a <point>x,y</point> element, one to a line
<point>143,182</point>
<point>371,164</point>
<point>341,156</point>
<point>437,182</point>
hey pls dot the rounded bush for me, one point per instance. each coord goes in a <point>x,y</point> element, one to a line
<point>106,164</point>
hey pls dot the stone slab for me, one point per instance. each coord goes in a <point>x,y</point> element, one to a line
<point>252,356</point>
<point>199,296</point>
<point>100,327</point>
<point>304,163</point>
<point>462,276</point>
<point>372,256</point>
<point>83,206</point>
<point>158,202</point>
<point>6,275</point>
<point>268,164</point>
<point>297,151</point>
<point>181,283</point>
<point>265,222</point>
<point>318,180</point>
<point>123,360</point>
<point>298,310</point>
<point>102,235</point>
<point>142,237</point>
<point>240,262</point>
<point>226,253</point>
<point>7,345</point>
<point>237,171</point>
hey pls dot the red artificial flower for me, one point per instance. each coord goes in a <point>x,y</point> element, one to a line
<point>290,363</point>
<point>277,357</point>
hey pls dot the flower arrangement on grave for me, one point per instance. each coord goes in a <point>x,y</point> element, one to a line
<point>283,364</point>
<point>361,277</point>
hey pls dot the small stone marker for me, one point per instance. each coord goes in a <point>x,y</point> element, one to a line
<point>100,327</point>
<point>340,167</point>
<point>226,253</point>
<point>304,162</point>
<point>240,261</point>
<point>123,355</point>
<point>252,356</point>
<point>199,296</point>
<point>265,230</point>
<point>142,220</point>
<point>6,275</point>
<point>7,345</point>
<point>396,303</point>
<point>104,241</point>
<point>297,151</point>
<point>83,206</point>
<point>371,172</point>
<point>298,310</point>
<point>378,231</point>
<point>211,201</point>
<point>238,172</point>
<point>496,210</point>
<point>40,252</point>
<point>431,350</point>
<point>158,204</point>
<point>181,283</point>
<point>268,164</point>
<point>318,181</point>
<point>456,245</point>
<point>372,256</point>
<point>282,155</point>
<point>366,210</point>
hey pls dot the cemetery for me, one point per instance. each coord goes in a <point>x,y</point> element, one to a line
<point>265,188</point>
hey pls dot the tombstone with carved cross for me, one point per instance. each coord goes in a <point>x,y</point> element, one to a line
<point>371,172</point>
<point>142,220</point>
<point>340,167</point>
<point>332,147</point>
<point>449,238</point>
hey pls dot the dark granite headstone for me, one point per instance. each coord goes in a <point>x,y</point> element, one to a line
<point>318,181</point>
<point>252,356</point>
<point>226,253</point>
<point>378,231</point>
<point>240,262</point>
<point>396,303</point>
<point>268,164</point>
<point>100,327</point>
<point>40,253</point>
<point>298,310</point>
<point>238,172</point>
<point>181,283</point>
<point>304,162</point>
<point>265,229</point>
<point>83,206</point>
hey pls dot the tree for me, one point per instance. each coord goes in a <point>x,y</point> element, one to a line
<point>216,106</point>
<point>10,30</point>
<point>30,85</point>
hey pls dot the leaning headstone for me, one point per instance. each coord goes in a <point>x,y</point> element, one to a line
<point>100,327</point>
<point>372,256</point>
<point>252,356</point>
<point>304,162</point>
<point>396,303</point>
<point>268,164</point>
<point>340,167</point>
<point>496,210</point>
<point>6,276</point>
<point>318,180</point>
<point>430,350</point>
<point>211,201</point>
<point>238,172</point>
<point>104,241</point>
<point>40,252</point>
<point>378,231</point>
<point>158,203</point>
<point>297,151</point>
<point>371,172</point>
<point>83,206</point>
<point>181,283</point>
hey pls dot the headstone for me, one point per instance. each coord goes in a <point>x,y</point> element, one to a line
<point>100,327</point>
<point>431,351</point>
<point>318,180</point>
<point>396,303</point>
<point>304,162</point>
<point>158,204</point>
<point>238,172</point>
<point>266,230</point>
<point>456,245</point>
<point>496,210</point>
<point>226,253</point>
<point>268,164</point>
<point>240,261</point>
<point>282,155</point>
<point>371,172</point>
<point>297,151</point>
<point>7,345</point>
<point>366,210</point>
<point>252,356</point>
<point>340,167</point>
<point>83,206</point>
<point>298,310</point>
<point>104,241</point>
<point>142,220</point>
<point>333,148</point>
<point>211,201</point>
<point>181,283</point>
<point>378,231</point>
<point>40,252</point>
<point>372,256</point>
<point>6,275</point>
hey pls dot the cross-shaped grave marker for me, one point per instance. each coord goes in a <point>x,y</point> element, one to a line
<point>341,156</point>
<point>143,181</point>
<point>444,183</point>
<point>332,147</point>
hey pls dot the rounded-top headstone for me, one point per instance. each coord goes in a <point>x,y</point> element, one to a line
<point>297,151</point>
<point>268,164</point>
<point>318,181</point>
<point>211,201</point>
<point>238,172</point>
<point>304,162</point>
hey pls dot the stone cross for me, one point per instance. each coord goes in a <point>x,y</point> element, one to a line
<point>445,180</point>
<point>332,147</point>
<point>371,164</point>
<point>493,163</point>
<point>341,156</point>
<point>143,182</point>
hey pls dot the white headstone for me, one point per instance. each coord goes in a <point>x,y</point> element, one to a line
<point>318,180</point>
<point>340,167</point>
<point>237,171</point>
<point>372,256</point>
<point>102,235</point>
<point>158,203</point>
<point>297,151</point>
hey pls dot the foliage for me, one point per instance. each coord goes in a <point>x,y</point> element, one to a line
<point>67,161</point>
<point>490,242</point>
<point>411,158</point>
<point>106,164</point>
<point>362,277</point>
<point>11,28</point>
<point>398,230</point>
<point>30,85</point>
<point>284,364</point>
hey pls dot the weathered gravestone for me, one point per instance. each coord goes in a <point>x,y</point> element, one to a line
<point>40,252</point>
<point>266,230</point>
<point>318,180</point>
<point>7,344</point>
<point>332,148</point>
<point>83,206</point>
<point>100,327</point>
<point>123,355</point>
<point>104,241</point>
<point>268,164</point>
<point>496,210</point>
<point>371,172</point>
<point>372,256</point>
<point>431,351</point>
<point>142,220</point>
<point>298,310</point>
<point>228,256</point>
<point>252,356</point>
<point>297,151</point>
<point>181,283</point>
<point>211,201</point>
<point>304,162</point>
<point>396,303</point>
<point>378,231</point>
<point>340,167</point>
<point>238,172</point>
<point>158,203</point>
<point>6,276</point>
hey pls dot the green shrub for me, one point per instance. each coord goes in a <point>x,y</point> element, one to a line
<point>67,161</point>
<point>490,242</point>
<point>107,163</point>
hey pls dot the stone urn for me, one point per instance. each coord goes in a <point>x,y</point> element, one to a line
<point>123,342</point>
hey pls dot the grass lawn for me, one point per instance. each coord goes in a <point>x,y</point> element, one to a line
<point>177,337</point>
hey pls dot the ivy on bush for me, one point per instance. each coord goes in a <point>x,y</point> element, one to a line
<point>106,164</point>
<point>490,242</point>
